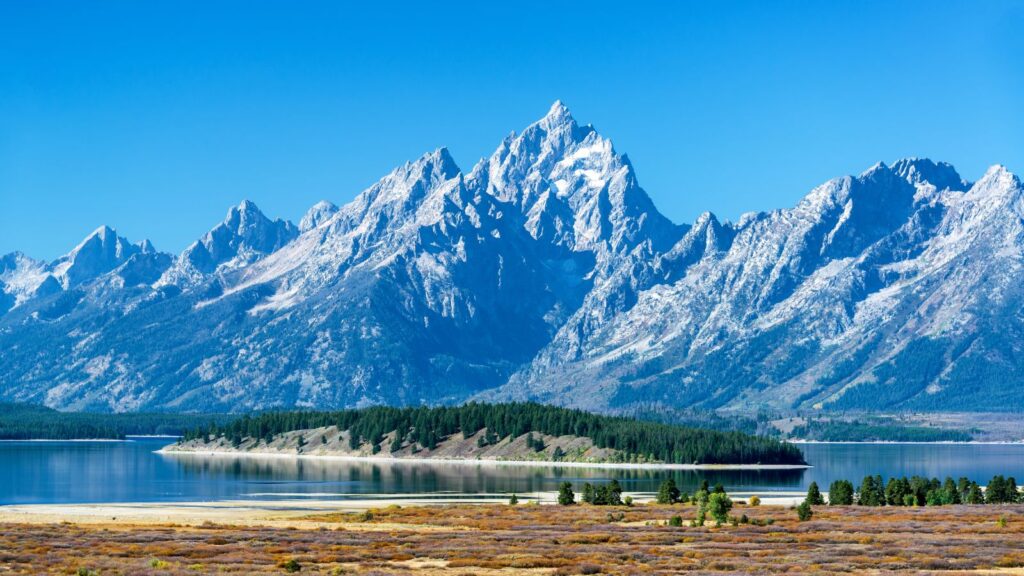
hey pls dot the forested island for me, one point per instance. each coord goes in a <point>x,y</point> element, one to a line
<point>33,422</point>
<point>512,431</point>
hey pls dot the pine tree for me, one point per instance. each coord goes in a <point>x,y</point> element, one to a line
<point>814,497</point>
<point>614,493</point>
<point>668,492</point>
<point>974,494</point>
<point>566,497</point>
<point>895,491</point>
<point>589,494</point>
<point>804,512</point>
<point>513,500</point>
<point>963,485</point>
<point>867,495</point>
<point>950,492</point>
<point>996,490</point>
<point>840,493</point>
<point>719,506</point>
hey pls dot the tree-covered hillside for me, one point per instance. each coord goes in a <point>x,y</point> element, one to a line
<point>425,427</point>
<point>28,421</point>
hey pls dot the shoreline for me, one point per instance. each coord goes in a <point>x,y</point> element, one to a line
<point>63,440</point>
<point>295,511</point>
<point>913,442</point>
<point>485,462</point>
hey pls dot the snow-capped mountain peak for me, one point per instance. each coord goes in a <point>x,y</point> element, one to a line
<point>571,185</point>
<point>319,213</point>
<point>942,175</point>
<point>245,236</point>
<point>545,273</point>
<point>100,252</point>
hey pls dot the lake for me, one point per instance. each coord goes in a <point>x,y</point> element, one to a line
<point>78,472</point>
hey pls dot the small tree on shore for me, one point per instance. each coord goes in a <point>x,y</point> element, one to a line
<point>974,494</point>
<point>870,494</point>
<point>614,497</point>
<point>566,497</point>
<point>895,491</point>
<point>950,492</point>
<point>840,493</point>
<point>668,492</point>
<point>719,506</point>
<point>814,497</point>
<point>513,500</point>
<point>589,494</point>
<point>804,512</point>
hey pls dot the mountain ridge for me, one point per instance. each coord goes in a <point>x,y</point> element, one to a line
<point>544,273</point>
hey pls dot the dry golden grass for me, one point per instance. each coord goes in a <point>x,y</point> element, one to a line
<point>491,540</point>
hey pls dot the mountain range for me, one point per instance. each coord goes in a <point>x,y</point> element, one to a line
<point>544,273</point>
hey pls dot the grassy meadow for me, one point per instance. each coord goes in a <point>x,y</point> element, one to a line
<point>534,539</point>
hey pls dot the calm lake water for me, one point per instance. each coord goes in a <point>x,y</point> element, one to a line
<point>66,472</point>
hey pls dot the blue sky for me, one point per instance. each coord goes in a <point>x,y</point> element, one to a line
<point>155,117</point>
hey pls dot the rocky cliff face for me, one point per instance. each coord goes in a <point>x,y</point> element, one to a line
<point>545,273</point>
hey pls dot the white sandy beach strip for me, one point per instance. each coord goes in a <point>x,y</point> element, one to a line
<point>482,462</point>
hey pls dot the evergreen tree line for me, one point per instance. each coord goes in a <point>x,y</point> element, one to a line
<point>920,491</point>
<point>426,426</point>
<point>856,431</point>
<point>709,501</point>
<point>29,422</point>
<point>603,494</point>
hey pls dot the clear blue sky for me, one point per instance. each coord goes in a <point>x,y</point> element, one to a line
<point>155,117</point>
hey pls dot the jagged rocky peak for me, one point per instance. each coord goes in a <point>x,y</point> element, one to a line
<point>997,177</point>
<point>996,200</point>
<point>877,188</point>
<point>245,233</point>
<point>20,278</point>
<point>321,212</point>
<point>15,260</point>
<point>250,224</point>
<point>942,175</point>
<point>514,173</point>
<point>399,195</point>
<point>426,171</point>
<point>572,186</point>
<point>101,251</point>
<point>146,247</point>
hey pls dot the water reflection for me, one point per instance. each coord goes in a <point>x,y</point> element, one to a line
<point>303,475</point>
<point>38,472</point>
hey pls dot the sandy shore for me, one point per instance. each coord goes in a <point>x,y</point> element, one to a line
<point>482,462</point>
<point>279,512</point>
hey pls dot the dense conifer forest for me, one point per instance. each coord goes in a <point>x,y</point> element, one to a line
<point>427,426</point>
<point>28,422</point>
<point>857,431</point>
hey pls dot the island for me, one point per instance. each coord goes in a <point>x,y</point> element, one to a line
<point>520,432</point>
